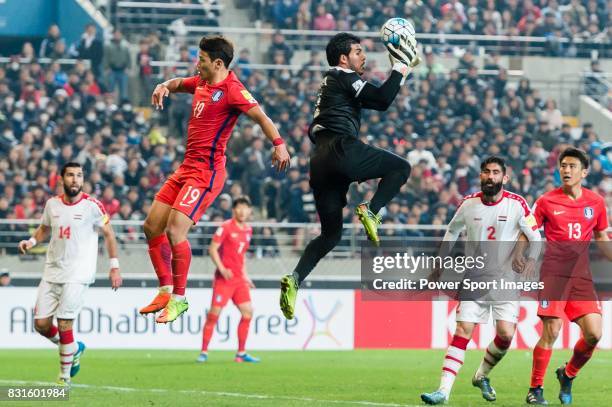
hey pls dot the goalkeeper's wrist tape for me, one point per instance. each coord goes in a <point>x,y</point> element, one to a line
<point>278,141</point>
<point>114,263</point>
<point>401,68</point>
<point>32,241</point>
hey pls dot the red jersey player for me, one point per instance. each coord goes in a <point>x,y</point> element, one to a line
<point>219,98</point>
<point>569,214</point>
<point>227,250</point>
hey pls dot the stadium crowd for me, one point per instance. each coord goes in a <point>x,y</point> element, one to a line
<point>586,20</point>
<point>444,124</point>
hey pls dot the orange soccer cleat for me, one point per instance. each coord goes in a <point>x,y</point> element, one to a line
<point>159,302</point>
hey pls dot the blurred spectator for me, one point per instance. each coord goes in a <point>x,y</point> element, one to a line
<point>49,44</point>
<point>145,72</point>
<point>285,12</point>
<point>90,47</point>
<point>27,52</point>
<point>552,115</point>
<point>5,278</point>
<point>117,61</point>
<point>279,46</point>
<point>323,20</point>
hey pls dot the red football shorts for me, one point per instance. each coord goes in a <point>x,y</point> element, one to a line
<point>223,290</point>
<point>191,190</point>
<point>572,309</point>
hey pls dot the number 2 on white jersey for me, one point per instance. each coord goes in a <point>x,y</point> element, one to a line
<point>491,235</point>
<point>574,230</point>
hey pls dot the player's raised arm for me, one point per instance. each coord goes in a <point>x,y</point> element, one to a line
<point>280,156</point>
<point>174,85</point>
<point>111,246</point>
<point>40,234</point>
<point>404,59</point>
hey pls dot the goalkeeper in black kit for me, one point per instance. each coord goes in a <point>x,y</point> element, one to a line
<point>340,158</point>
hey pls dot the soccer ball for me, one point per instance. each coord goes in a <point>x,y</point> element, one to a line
<point>396,29</point>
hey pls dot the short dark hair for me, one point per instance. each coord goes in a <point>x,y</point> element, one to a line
<point>340,44</point>
<point>70,164</point>
<point>576,153</point>
<point>493,160</point>
<point>242,200</point>
<point>218,47</point>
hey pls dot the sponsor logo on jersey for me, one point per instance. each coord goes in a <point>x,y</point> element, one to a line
<point>217,96</point>
<point>502,218</point>
<point>247,95</point>
<point>477,219</point>
<point>234,235</point>
<point>358,84</point>
<point>589,212</point>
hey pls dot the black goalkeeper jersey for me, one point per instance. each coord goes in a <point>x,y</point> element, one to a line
<point>338,109</point>
<point>342,96</point>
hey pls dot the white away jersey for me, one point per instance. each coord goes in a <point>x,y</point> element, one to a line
<point>73,249</point>
<point>502,220</point>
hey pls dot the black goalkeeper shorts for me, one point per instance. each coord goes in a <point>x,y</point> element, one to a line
<point>337,161</point>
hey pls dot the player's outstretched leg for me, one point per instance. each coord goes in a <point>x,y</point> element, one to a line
<point>565,382</point>
<point>160,254</point>
<point>370,221</point>
<point>177,229</point>
<point>591,326</point>
<point>330,213</point>
<point>484,384</point>
<point>288,296</point>
<point>159,302</point>
<point>495,352</point>
<point>435,398</point>
<point>393,172</point>
<point>174,309</point>
<point>453,360</point>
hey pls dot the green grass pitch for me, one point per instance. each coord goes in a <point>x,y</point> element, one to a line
<point>352,378</point>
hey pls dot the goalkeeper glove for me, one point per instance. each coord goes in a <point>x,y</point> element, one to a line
<point>404,53</point>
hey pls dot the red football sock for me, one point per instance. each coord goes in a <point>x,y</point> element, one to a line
<point>207,332</point>
<point>541,357</point>
<point>181,259</point>
<point>582,353</point>
<point>51,332</point>
<point>161,257</point>
<point>66,337</point>
<point>243,332</point>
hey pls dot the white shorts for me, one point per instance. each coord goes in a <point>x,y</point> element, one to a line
<point>64,301</point>
<point>478,311</point>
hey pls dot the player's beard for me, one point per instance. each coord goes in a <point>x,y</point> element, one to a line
<point>69,191</point>
<point>490,189</point>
